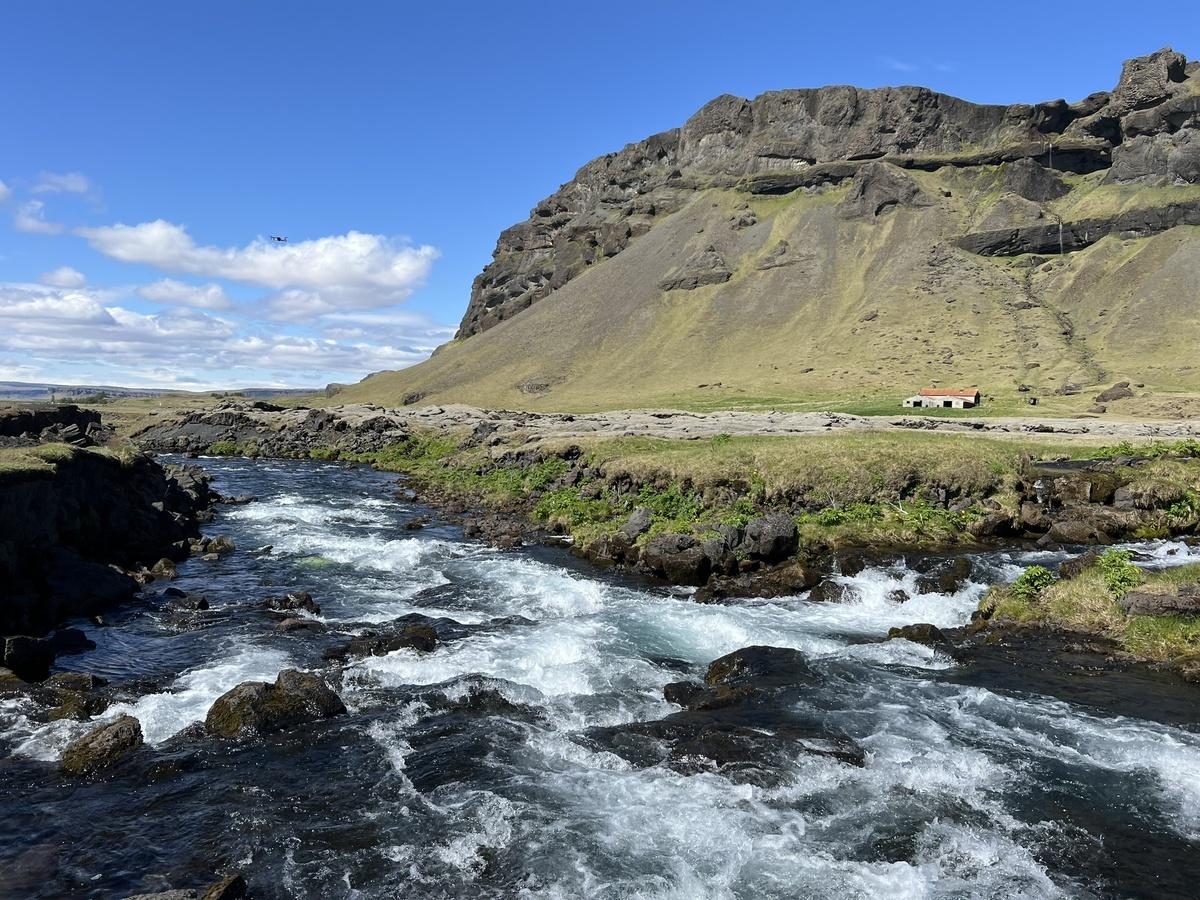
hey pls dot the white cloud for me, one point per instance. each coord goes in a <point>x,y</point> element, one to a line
<point>898,65</point>
<point>64,277</point>
<point>176,293</point>
<point>31,218</point>
<point>84,336</point>
<point>61,183</point>
<point>349,271</point>
<point>5,191</point>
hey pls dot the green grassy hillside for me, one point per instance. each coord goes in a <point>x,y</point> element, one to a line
<point>849,311</point>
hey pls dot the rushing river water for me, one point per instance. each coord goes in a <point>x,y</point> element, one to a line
<point>966,791</point>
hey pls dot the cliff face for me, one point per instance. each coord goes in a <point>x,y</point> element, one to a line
<point>787,140</point>
<point>63,525</point>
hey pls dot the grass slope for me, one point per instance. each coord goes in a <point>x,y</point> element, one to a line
<point>865,311</point>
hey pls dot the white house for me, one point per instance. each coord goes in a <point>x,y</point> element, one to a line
<point>944,398</point>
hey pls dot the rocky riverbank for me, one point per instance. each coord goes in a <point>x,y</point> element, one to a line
<point>82,528</point>
<point>729,513</point>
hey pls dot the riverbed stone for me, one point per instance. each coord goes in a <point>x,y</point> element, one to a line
<point>103,747</point>
<point>256,707</point>
<point>293,601</point>
<point>920,633</point>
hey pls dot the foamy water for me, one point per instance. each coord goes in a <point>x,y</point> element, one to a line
<point>947,804</point>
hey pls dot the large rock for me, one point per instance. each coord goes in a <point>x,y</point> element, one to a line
<point>771,538</point>
<point>1030,180</point>
<point>879,187</point>
<point>706,267</point>
<point>921,633</point>
<point>28,657</point>
<point>1183,600</point>
<point>102,747</point>
<point>678,558</point>
<point>255,707</point>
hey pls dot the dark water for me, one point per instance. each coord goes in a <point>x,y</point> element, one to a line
<point>967,791</point>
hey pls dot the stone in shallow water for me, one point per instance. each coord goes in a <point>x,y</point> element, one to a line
<point>102,747</point>
<point>255,707</point>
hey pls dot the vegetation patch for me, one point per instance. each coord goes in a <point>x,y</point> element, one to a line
<point>1088,603</point>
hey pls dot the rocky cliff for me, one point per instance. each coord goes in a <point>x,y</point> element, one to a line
<point>71,519</point>
<point>787,140</point>
<point>817,232</point>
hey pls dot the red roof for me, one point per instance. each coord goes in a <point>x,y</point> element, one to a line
<point>969,393</point>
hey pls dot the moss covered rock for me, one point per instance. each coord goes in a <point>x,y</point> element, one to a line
<point>255,707</point>
<point>102,747</point>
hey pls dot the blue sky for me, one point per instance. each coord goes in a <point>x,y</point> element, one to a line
<point>147,150</point>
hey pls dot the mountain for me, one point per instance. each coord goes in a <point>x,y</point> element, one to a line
<point>839,243</point>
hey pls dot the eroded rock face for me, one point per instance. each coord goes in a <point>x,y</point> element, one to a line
<point>102,747</point>
<point>255,707</point>
<point>789,140</point>
<point>877,188</point>
<point>706,267</point>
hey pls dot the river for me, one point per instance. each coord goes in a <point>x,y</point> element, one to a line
<point>967,791</point>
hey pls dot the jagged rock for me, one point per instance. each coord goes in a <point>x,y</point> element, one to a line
<point>829,591</point>
<point>287,626</point>
<point>637,524</point>
<point>677,558</point>
<point>879,187</point>
<point>164,570</point>
<point>1028,179</point>
<point>231,887</point>
<point>102,747</point>
<point>1149,80</point>
<point>256,707</point>
<point>706,267</point>
<point>1174,157</point>
<point>922,633</point>
<point>771,538</point>
<point>1076,235</point>
<point>419,637</point>
<point>294,600</point>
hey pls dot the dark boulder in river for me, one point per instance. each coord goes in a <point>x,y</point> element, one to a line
<point>255,707</point>
<point>102,747</point>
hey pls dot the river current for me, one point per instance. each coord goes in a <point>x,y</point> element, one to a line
<point>967,791</point>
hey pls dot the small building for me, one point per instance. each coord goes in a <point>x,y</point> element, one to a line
<point>944,398</point>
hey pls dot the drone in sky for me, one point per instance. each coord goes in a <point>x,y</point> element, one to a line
<point>278,239</point>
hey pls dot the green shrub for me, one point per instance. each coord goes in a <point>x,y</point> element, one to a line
<point>1120,575</point>
<point>1031,583</point>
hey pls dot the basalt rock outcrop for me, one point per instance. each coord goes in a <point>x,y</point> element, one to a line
<point>790,140</point>
<point>818,243</point>
<point>71,529</point>
<point>256,707</point>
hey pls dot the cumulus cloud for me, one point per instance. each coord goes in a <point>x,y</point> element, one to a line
<point>31,218</point>
<point>61,183</point>
<point>85,335</point>
<point>5,191</point>
<point>349,271</point>
<point>176,293</point>
<point>64,277</point>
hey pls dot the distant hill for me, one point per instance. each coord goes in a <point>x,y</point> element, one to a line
<point>28,390</point>
<point>839,243</point>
